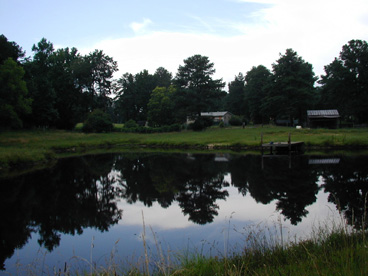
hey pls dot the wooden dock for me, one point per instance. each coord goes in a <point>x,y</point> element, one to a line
<point>283,147</point>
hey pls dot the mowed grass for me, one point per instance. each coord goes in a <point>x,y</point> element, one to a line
<point>17,147</point>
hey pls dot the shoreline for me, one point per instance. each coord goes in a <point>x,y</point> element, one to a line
<point>27,149</point>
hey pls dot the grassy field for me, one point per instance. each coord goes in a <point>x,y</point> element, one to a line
<point>20,147</point>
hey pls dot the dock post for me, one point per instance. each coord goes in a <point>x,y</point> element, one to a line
<point>262,142</point>
<point>289,142</point>
<point>261,138</point>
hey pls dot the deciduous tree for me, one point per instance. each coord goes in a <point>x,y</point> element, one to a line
<point>134,93</point>
<point>256,89</point>
<point>14,103</point>
<point>9,49</point>
<point>39,81</point>
<point>161,106</point>
<point>345,83</point>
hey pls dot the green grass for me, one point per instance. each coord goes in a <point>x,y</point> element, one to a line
<point>338,253</point>
<point>20,147</point>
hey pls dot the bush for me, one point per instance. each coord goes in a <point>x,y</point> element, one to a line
<point>130,124</point>
<point>98,121</point>
<point>235,121</point>
<point>201,123</point>
<point>9,118</point>
<point>142,129</point>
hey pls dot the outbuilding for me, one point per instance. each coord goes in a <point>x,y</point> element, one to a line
<point>323,118</point>
<point>218,116</point>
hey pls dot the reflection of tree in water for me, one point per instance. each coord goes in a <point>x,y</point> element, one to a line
<point>148,177</point>
<point>202,189</point>
<point>75,194</point>
<point>294,188</point>
<point>195,182</point>
<point>347,184</point>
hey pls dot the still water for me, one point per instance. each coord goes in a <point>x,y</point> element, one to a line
<point>95,209</point>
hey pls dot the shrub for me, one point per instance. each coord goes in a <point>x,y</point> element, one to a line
<point>235,121</point>
<point>141,129</point>
<point>131,124</point>
<point>201,123</point>
<point>97,121</point>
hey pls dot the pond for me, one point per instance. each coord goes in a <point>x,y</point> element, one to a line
<point>110,208</point>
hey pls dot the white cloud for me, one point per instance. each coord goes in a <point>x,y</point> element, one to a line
<point>140,27</point>
<point>316,29</point>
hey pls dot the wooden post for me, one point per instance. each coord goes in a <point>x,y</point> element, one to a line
<point>289,142</point>
<point>261,138</point>
<point>262,144</point>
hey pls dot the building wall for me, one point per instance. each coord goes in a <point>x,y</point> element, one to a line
<point>324,123</point>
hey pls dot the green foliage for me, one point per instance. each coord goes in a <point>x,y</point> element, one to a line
<point>14,103</point>
<point>130,124</point>
<point>197,89</point>
<point>161,106</point>
<point>162,77</point>
<point>201,123</point>
<point>236,120</point>
<point>97,121</point>
<point>142,129</point>
<point>258,81</point>
<point>344,85</point>
<point>235,100</point>
<point>134,92</point>
<point>9,49</point>
<point>9,118</point>
<point>292,89</point>
<point>63,86</point>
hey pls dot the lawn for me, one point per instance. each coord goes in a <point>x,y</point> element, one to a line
<point>20,147</point>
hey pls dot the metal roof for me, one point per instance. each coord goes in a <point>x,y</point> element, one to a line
<point>324,161</point>
<point>214,114</point>
<point>330,113</point>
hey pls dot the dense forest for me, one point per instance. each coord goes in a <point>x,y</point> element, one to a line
<point>60,88</point>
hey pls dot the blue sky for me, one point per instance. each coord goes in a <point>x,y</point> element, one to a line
<point>147,34</point>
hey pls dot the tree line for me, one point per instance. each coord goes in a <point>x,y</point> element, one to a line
<point>60,88</point>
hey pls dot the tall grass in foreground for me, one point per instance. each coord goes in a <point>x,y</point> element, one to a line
<point>331,249</point>
<point>326,252</point>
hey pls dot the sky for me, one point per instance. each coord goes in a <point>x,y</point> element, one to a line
<point>146,34</point>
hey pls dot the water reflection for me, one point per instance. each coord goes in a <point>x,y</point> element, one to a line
<point>80,193</point>
<point>74,195</point>
<point>347,185</point>
<point>294,188</point>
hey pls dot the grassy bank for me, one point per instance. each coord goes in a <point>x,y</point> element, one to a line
<point>334,254</point>
<point>21,147</point>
